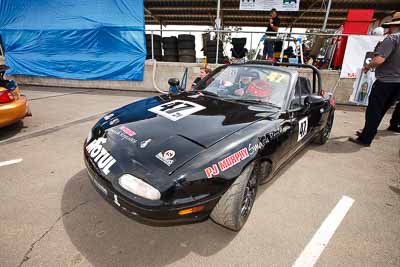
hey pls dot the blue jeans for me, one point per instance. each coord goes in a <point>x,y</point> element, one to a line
<point>268,48</point>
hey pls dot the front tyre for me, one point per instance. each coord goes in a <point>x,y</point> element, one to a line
<point>323,136</point>
<point>234,207</point>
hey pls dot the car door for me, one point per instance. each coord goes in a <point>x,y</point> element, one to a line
<point>303,115</point>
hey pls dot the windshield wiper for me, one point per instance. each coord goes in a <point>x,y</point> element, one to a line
<point>258,102</point>
<point>206,92</point>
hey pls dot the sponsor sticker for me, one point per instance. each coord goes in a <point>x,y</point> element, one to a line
<point>177,109</point>
<point>100,156</point>
<point>264,140</point>
<point>227,163</point>
<point>143,144</point>
<point>123,135</point>
<point>303,126</point>
<point>127,131</point>
<point>167,157</point>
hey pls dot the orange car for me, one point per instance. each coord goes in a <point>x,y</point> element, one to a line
<point>13,105</point>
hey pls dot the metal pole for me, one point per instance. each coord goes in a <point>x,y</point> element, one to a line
<point>251,42</point>
<point>218,23</point>
<point>301,50</point>
<point>283,45</point>
<point>328,9</point>
<point>152,47</point>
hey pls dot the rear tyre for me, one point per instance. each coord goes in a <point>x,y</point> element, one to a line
<point>323,136</point>
<point>234,207</point>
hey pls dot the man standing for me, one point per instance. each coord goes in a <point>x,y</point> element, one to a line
<point>273,26</point>
<point>386,89</point>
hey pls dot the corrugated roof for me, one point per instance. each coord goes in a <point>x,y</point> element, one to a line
<point>203,12</point>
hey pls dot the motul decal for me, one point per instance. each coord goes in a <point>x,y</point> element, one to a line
<point>100,156</point>
<point>227,163</point>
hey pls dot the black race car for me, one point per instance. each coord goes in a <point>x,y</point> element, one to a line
<point>188,156</point>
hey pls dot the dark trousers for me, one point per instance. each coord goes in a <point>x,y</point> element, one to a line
<point>268,48</point>
<point>382,97</point>
<point>395,121</point>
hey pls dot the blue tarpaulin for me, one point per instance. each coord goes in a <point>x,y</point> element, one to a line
<point>85,39</point>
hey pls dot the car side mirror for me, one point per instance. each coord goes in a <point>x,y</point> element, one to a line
<point>174,86</point>
<point>314,101</point>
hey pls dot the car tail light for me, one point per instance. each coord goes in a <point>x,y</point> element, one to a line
<point>6,96</point>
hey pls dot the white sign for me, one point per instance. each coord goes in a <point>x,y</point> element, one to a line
<point>303,126</point>
<point>263,5</point>
<point>357,47</point>
<point>177,109</point>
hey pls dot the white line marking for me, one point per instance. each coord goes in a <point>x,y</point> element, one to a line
<point>320,240</point>
<point>14,161</point>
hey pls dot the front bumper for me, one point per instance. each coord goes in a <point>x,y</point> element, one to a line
<point>160,215</point>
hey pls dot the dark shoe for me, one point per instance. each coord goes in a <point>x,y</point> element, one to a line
<point>358,133</point>
<point>394,129</point>
<point>358,142</point>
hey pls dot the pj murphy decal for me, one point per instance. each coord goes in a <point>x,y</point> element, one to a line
<point>100,156</point>
<point>227,163</point>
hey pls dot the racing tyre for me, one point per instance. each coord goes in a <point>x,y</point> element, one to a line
<point>187,59</point>
<point>186,37</point>
<point>170,52</point>
<point>187,52</point>
<point>170,58</point>
<point>186,45</point>
<point>156,38</point>
<point>234,207</point>
<point>323,136</point>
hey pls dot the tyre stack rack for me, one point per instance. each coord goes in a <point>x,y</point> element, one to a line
<point>170,45</point>
<point>186,48</point>
<point>157,47</point>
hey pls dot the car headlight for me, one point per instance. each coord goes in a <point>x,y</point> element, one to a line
<point>139,187</point>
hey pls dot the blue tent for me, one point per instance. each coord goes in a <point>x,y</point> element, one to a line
<point>85,39</point>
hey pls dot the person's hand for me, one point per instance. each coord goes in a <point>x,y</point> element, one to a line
<point>366,68</point>
<point>239,92</point>
<point>270,21</point>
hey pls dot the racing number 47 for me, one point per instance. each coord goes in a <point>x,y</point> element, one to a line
<point>303,126</point>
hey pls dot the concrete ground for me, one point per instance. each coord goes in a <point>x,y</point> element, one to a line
<point>51,215</point>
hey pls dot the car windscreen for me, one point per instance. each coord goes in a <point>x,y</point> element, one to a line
<point>250,84</point>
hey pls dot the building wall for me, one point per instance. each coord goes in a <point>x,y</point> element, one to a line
<point>166,70</point>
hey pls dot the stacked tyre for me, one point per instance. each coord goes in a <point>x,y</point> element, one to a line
<point>157,47</point>
<point>239,50</point>
<point>211,52</point>
<point>186,48</point>
<point>170,45</point>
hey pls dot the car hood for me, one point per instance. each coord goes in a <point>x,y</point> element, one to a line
<point>154,143</point>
